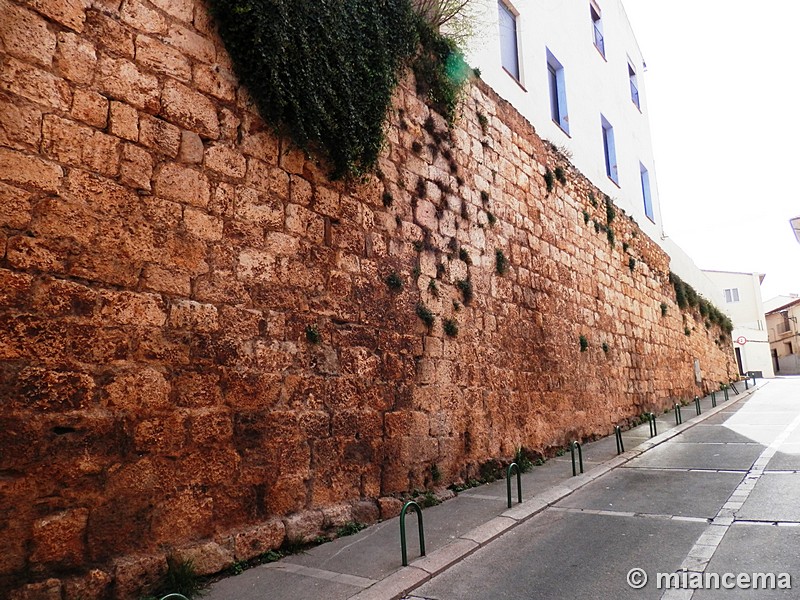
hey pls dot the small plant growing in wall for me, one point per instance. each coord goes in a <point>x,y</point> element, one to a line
<point>597,227</point>
<point>433,288</point>
<point>500,262</point>
<point>425,315</point>
<point>605,347</point>
<point>610,236</point>
<point>421,189</point>
<point>549,180</point>
<point>436,474</point>
<point>585,216</point>
<point>394,282</point>
<point>418,245</point>
<point>484,196</point>
<point>610,212</point>
<point>663,309</point>
<point>450,327</point>
<point>387,199</point>
<point>631,263</point>
<point>313,335</point>
<point>584,343</point>
<point>181,578</point>
<point>625,246</point>
<point>465,287</point>
<point>491,218</point>
<point>687,331</point>
<point>464,256</point>
<point>483,122</point>
<point>560,175</point>
<point>592,199</point>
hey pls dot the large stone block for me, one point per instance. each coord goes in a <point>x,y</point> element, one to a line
<point>60,538</point>
<point>259,539</point>
<point>190,110</point>
<point>24,34</point>
<point>122,80</point>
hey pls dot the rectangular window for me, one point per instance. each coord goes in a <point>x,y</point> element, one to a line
<point>597,29</point>
<point>558,92</point>
<point>609,150</point>
<point>648,201</point>
<point>509,50</point>
<point>731,295</point>
<point>634,86</point>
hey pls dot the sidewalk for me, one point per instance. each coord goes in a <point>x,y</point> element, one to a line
<point>367,566</point>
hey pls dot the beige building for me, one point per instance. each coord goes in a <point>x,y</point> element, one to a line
<point>784,337</point>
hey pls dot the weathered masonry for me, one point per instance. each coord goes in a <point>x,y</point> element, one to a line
<point>206,347</point>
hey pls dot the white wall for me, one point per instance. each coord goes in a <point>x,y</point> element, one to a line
<point>747,315</point>
<point>594,86</point>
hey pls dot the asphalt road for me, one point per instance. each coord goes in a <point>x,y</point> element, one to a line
<point>717,505</point>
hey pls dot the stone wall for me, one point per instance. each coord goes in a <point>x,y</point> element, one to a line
<point>165,264</point>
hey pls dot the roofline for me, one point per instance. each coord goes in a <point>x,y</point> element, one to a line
<point>784,306</point>
<point>761,276</point>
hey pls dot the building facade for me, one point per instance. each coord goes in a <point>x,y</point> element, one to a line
<point>575,71</point>
<point>741,301</point>
<point>784,337</point>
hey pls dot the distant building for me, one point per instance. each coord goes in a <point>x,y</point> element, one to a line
<point>784,337</point>
<point>741,294</point>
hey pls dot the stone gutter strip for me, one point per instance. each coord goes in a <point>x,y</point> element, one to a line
<point>402,581</point>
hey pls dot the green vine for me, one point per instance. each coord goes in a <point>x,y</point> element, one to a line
<point>323,72</point>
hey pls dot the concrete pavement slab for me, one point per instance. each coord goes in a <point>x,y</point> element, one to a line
<point>714,433</point>
<point>552,556</point>
<point>279,583</point>
<point>684,493</point>
<point>756,549</point>
<point>375,552</point>
<point>774,498</point>
<point>699,456</point>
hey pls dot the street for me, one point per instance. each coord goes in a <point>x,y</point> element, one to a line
<point>722,499</point>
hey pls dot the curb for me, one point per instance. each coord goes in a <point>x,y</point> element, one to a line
<point>424,568</point>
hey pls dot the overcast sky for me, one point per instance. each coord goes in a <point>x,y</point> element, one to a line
<point>723,96</point>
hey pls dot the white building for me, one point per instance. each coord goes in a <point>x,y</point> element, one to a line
<point>574,69</point>
<point>741,293</point>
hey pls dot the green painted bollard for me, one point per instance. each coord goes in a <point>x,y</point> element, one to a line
<point>618,436</point>
<point>678,416</point>
<point>651,419</point>
<point>697,404</point>
<point>713,399</point>
<point>572,448</point>
<point>746,381</point>
<point>725,390</point>
<point>415,506</point>
<point>754,380</point>
<point>514,466</point>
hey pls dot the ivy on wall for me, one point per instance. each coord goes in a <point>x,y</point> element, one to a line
<point>323,71</point>
<point>687,297</point>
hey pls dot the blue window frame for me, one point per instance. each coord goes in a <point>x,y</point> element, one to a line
<point>558,92</point>
<point>648,201</point>
<point>634,86</point>
<point>597,30</point>
<point>609,150</point>
<point>509,49</point>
